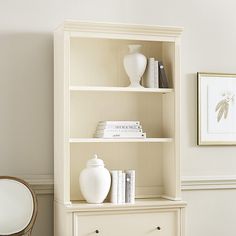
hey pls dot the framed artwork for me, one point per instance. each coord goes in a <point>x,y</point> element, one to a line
<point>216,109</point>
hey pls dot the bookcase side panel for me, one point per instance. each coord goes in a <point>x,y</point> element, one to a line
<point>177,81</point>
<point>169,162</point>
<point>61,117</point>
<point>63,220</point>
<point>171,124</point>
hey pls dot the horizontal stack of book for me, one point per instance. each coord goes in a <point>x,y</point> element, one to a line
<point>119,129</point>
<point>122,186</point>
<point>155,75</point>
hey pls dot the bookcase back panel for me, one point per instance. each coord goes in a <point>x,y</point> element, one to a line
<point>87,109</point>
<point>99,62</point>
<point>144,158</point>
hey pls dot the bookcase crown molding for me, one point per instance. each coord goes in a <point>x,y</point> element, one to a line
<point>121,28</point>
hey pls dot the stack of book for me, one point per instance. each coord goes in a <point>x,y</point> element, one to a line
<point>122,186</point>
<point>119,129</point>
<point>155,75</point>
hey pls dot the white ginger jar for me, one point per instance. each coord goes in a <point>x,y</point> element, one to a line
<point>95,181</point>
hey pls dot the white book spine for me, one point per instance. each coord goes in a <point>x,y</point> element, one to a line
<point>119,122</point>
<point>119,189</point>
<point>119,130</point>
<point>150,73</point>
<point>114,186</point>
<point>130,186</point>
<point>123,187</point>
<point>120,135</point>
<point>156,75</point>
<point>121,127</point>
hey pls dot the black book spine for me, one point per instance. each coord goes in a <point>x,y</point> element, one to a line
<point>163,82</point>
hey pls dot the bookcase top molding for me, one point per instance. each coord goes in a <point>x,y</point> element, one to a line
<point>120,28</point>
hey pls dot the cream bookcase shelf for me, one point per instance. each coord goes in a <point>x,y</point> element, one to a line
<point>120,89</point>
<point>121,140</point>
<point>90,86</point>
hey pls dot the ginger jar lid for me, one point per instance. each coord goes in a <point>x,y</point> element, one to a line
<point>95,161</point>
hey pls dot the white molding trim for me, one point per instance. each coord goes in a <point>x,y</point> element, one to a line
<point>42,184</point>
<point>102,28</point>
<point>208,182</point>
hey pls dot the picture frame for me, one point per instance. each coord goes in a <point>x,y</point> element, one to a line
<point>216,108</point>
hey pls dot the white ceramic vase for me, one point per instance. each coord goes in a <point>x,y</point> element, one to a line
<point>135,65</point>
<point>95,181</point>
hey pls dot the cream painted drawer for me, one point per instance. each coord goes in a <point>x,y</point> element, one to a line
<point>130,224</point>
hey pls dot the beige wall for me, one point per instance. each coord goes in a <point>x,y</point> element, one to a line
<point>210,212</point>
<point>44,221</point>
<point>26,94</point>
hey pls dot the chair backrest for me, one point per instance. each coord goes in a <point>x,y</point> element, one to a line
<point>18,206</point>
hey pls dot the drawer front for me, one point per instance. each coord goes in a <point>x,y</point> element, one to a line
<point>132,224</point>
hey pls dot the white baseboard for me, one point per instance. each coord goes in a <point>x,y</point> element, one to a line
<point>43,184</point>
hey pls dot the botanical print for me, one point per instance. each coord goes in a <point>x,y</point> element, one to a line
<point>216,109</point>
<point>222,107</point>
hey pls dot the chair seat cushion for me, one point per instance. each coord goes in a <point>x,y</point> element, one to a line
<point>16,206</point>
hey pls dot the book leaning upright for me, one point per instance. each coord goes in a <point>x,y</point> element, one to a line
<point>156,74</point>
<point>163,80</point>
<point>152,74</point>
<point>130,186</point>
<point>120,187</point>
<point>114,186</point>
<point>149,78</point>
<point>123,186</point>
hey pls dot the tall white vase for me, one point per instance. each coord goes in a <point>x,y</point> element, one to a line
<point>135,65</point>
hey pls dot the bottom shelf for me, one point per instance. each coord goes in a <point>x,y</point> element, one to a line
<point>153,203</point>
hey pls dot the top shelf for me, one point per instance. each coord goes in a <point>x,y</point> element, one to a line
<point>120,89</point>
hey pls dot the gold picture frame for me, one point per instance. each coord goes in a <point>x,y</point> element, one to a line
<point>216,108</point>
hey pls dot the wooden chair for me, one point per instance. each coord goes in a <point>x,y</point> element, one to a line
<point>18,207</point>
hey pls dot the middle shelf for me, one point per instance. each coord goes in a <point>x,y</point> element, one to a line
<point>120,89</point>
<point>120,140</point>
<point>153,110</point>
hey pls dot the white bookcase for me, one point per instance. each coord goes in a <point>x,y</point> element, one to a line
<point>91,85</point>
